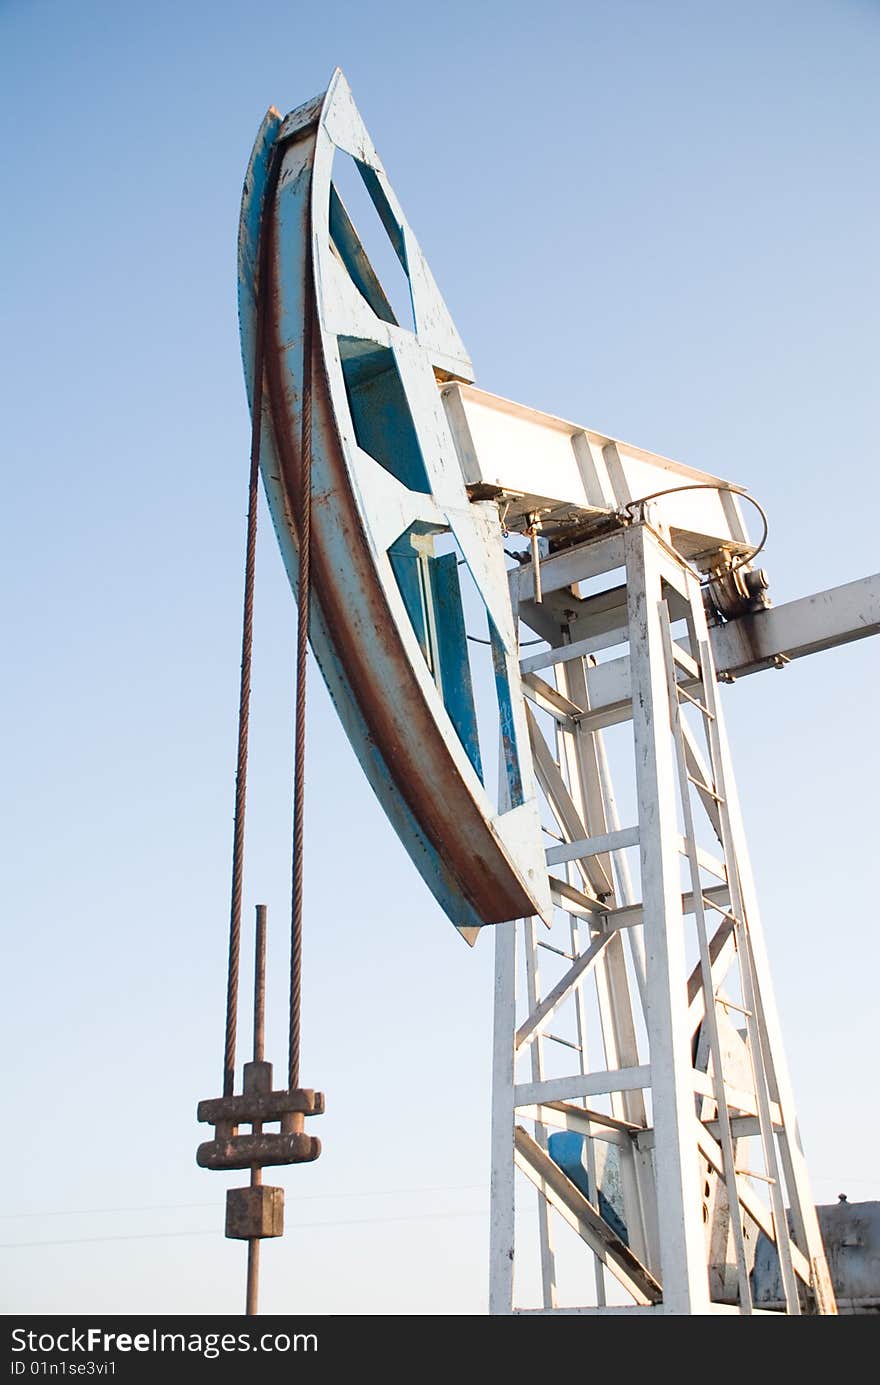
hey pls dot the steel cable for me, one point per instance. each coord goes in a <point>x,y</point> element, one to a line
<point>247,640</point>
<point>304,524</point>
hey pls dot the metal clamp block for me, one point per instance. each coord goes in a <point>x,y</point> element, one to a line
<point>254,1213</point>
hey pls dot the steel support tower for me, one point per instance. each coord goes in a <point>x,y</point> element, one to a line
<point>643,1023</point>
<point>639,1083</point>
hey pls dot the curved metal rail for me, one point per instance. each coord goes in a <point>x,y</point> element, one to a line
<point>386,622</point>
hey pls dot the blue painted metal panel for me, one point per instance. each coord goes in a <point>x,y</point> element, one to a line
<point>568,1149</point>
<point>455,669</point>
<point>407,564</point>
<point>506,718</point>
<point>380,411</point>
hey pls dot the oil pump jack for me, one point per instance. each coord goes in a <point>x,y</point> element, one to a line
<point>523,623</point>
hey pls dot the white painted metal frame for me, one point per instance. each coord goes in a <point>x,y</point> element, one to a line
<point>690,1143</point>
<point>698,1115</point>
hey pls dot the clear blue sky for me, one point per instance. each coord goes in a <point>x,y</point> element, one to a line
<point>658,219</point>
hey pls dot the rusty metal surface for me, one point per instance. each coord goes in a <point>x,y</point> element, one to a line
<point>261,1151</point>
<point>254,1212</point>
<point>258,1106</point>
<point>414,765</point>
<point>303,595</point>
<point>247,643</point>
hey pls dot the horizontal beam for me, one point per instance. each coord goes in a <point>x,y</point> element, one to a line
<point>582,1084</point>
<point>740,647</point>
<point>741,1127</point>
<point>622,1310</point>
<point>737,1097</point>
<point>563,654</point>
<point>575,901</point>
<point>592,846</point>
<point>610,1310</point>
<point>807,626</point>
<point>630,915</point>
<point>576,564</point>
<point>582,1121</point>
<point>548,699</point>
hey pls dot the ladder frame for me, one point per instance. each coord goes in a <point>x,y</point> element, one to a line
<point>634,952</point>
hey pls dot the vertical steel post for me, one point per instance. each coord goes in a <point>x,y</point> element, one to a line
<point>683,1267</point>
<point>502,1192</point>
<point>253,1256</point>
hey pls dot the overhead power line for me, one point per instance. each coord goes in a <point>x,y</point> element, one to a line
<point>182,1206</point>
<point>300,1226</point>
